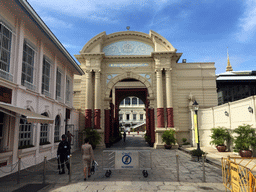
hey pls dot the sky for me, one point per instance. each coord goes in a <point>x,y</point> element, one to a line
<point>200,29</point>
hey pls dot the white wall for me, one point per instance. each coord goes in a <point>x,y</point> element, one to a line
<point>238,114</point>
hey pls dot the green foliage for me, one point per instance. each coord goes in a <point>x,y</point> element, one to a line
<point>197,153</point>
<point>184,140</point>
<point>147,138</point>
<point>245,138</point>
<point>93,136</point>
<point>26,146</point>
<point>219,136</point>
<point>168,137</point>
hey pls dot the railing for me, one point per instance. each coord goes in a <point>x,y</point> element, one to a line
<point>237,176</point>
<point>6,75</point>
<point>29,85</point>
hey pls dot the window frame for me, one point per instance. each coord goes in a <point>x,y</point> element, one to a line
<point>8,50</point>
<point>57,129</point>
<point>59,84</point>
<point>68,89</point>
<point>44,129</point>
<point>46,65</point>
<point>26,133</point>
<point>26,66</point>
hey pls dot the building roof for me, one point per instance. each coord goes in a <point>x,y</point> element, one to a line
<point>44,28</point>
<point>237,75</point>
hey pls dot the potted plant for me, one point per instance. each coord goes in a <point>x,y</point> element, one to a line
<point>220,136</point>
<point>93,136</point>
<point>196,154</point>
<point>168,138</point>
<point>245,140</point>
<point>185,144</point>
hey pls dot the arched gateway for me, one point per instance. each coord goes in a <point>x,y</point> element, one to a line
<point>132,63</point>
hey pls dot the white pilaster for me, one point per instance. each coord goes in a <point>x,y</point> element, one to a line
<point>168,88</point>
<point>159,88</point>
<point>88,75</point>
<point>97,90</point>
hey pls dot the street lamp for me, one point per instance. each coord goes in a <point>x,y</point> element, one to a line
<point>195,108</point>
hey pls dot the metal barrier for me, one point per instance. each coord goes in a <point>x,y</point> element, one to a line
<point>180,163</point>
<point>127,160</point>
<point>237,177</point>
<point>38,168</point>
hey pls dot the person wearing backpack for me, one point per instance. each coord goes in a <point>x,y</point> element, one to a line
<point>63,154</point>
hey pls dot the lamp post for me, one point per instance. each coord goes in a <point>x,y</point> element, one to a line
<point>195,108</point>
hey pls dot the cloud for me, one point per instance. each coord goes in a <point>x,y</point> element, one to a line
<point>247,23</point>
<point>70,46</point>
<point>56,23</point>
<point>100,10</point>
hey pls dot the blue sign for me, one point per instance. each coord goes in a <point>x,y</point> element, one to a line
<point>126,159</point>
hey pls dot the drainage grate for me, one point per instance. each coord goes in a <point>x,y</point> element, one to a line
<point>31,188</point>
<point>206,188</point>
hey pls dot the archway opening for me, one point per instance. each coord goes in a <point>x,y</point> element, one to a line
<point>132,92</point>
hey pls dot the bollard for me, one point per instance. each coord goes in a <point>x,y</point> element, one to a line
<point>18,176</point>
<point>44,170</point>
<point>203,157</point>
<point>177,162</point>
<point>70,168</point>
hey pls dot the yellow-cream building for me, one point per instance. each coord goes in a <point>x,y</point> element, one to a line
<point>131,63</point>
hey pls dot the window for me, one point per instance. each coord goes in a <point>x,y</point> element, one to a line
<point>67,89</point>
<point>27,66</point>
<point>1,128</point>
<point>134,101</point>
<point>46,78</point>
<point>25,134</point>
<point>134,116</point>
<point>57,129</point>
<point>141,102</point>
<point>44,132</point>
<point>122,102</point>
<point>141,116</point>
<point>127,101</point>
<point>127,117</point>
<point>120,117</point>
<point>58,85</point>
<point>5,47</point>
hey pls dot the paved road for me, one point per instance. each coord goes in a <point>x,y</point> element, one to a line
<point>162,176</point>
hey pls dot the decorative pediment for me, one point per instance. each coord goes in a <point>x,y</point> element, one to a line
<point>128,47</point>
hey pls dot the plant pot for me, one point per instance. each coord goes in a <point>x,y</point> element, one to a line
<point>185,146</point>
<point>167,146</point>
<point>221,148</point>
<point>245,153</point>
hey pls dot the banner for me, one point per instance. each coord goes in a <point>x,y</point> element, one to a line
<point>196,128</point>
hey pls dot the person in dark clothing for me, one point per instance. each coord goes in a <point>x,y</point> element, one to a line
<point>63,154</point>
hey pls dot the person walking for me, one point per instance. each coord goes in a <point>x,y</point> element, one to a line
<point>69,135</point>
<point>124,135</point>
<point>63,154</point>
<point>87,155</point>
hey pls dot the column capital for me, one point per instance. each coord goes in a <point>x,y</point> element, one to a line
<point>168,69</point>
<point>88,70</point>
<point>97,71</point>
<point>158,70</point>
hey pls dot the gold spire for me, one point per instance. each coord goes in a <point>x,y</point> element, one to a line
<point>228,68</point>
